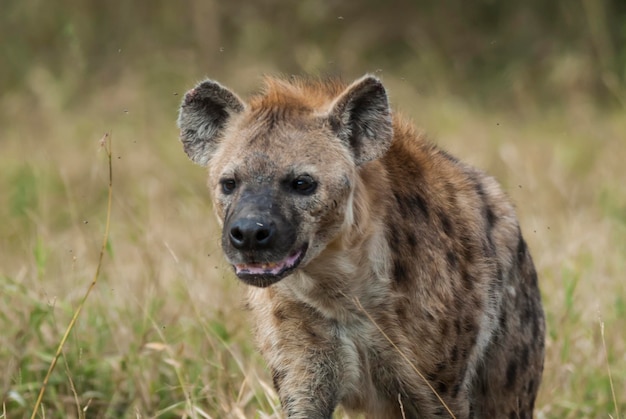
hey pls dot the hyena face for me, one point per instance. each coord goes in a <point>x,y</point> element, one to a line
<point>282,169</point>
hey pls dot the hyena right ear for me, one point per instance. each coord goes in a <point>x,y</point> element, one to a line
<point>202,117</point>
<point>361,118</point>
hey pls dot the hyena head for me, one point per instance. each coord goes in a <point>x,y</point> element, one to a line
<point>282,166</point>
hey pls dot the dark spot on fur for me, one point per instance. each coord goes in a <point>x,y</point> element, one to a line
<point>444,328</point>
<point>469,325</point>
<point>529,310</point>
<point>393,239</point>
<point>429,316</point>
<point>461,376</point>
<point>531,387</point>
<point>442,388</point>
<point>400,273</point>
<point>312,334</point>
<point>411,206</point>
<point>465,351</point>
<point>524,356</point>
<point>477,301</point>
<point>329,407</point>
<point>479,189</point>
<point>418,201</point>
<point>491,218</point>
<point>448,156</point>
<point>511,374</point>
<point>446,224</point>
<point>452,262</point>
<point>534,281</point>
<point>535,326</point>
<point>467,246</point>
<point>440,367</point>
<point>521,250</point>
<point>401,314</point>
<point>288,403</point>
<point>531,408</point>
<point>456,389</point>
<point>489,245</point>
<point>468,280</point>
<point>277,378</point>
<point>519,414</point>
<point>499,276</point>
<point>410,239</point>
<point>455,354</point>
<point>401,205</point>
<point>279,313</point>
<point>502,320</point>
<point>484,390</point>
<point>431,376</point>
<point>441,412</point>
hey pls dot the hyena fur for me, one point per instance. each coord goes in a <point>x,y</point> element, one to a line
<point>385,275</point>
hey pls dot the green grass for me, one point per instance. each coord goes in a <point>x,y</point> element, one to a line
<point>164,333</point>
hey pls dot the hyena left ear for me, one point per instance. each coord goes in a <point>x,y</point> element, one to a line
<point>203,115</point>
<point>361,118</point>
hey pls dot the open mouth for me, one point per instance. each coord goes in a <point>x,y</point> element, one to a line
<point>268,273</point>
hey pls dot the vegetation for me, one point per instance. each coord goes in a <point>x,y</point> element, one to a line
<point>532,92</point>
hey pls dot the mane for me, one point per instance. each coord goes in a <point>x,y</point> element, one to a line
<point>297,93</point>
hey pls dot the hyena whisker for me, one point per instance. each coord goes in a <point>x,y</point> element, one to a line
<point>404,357</point>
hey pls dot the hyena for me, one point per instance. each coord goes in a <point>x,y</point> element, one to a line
<point>386,276</point>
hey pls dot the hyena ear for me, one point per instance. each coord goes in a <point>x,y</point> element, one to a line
<point>202,117</point>
<point>361,118</point>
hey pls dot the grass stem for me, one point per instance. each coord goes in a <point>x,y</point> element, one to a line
<point>105,143</point>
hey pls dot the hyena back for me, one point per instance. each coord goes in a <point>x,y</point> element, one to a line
<point>386,276</point>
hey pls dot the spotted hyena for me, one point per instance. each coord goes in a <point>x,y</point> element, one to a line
<point>386,275</point>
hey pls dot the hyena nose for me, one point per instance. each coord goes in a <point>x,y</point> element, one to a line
<point>251,234</point>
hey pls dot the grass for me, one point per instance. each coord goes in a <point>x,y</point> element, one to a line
<point>164,334</point>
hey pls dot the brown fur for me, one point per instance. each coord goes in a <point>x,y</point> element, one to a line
<point>398,236</point>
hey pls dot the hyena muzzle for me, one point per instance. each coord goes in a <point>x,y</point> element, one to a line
<point>386,275</point>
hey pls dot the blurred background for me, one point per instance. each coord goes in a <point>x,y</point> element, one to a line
<point>534,92</point>
<point>490,50</point>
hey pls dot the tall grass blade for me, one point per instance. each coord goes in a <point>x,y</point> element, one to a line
<point>608,368</point>
<point>105,143</point>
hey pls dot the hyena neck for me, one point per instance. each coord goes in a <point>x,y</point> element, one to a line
<point>351,274</point>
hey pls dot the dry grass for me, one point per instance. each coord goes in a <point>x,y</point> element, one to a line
<point>164,334</point>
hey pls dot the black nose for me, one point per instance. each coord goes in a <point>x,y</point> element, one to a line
<point>251,234</point>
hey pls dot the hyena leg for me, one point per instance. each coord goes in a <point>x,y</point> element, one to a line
<point>307,391</point>
<point>509,380</point>
<point>306,365</point>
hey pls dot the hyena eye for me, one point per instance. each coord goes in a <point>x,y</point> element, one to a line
<point>304,185</point>
<point>228,186</point>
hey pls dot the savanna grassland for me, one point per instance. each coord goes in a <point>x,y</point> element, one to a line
<point>164,333</point>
